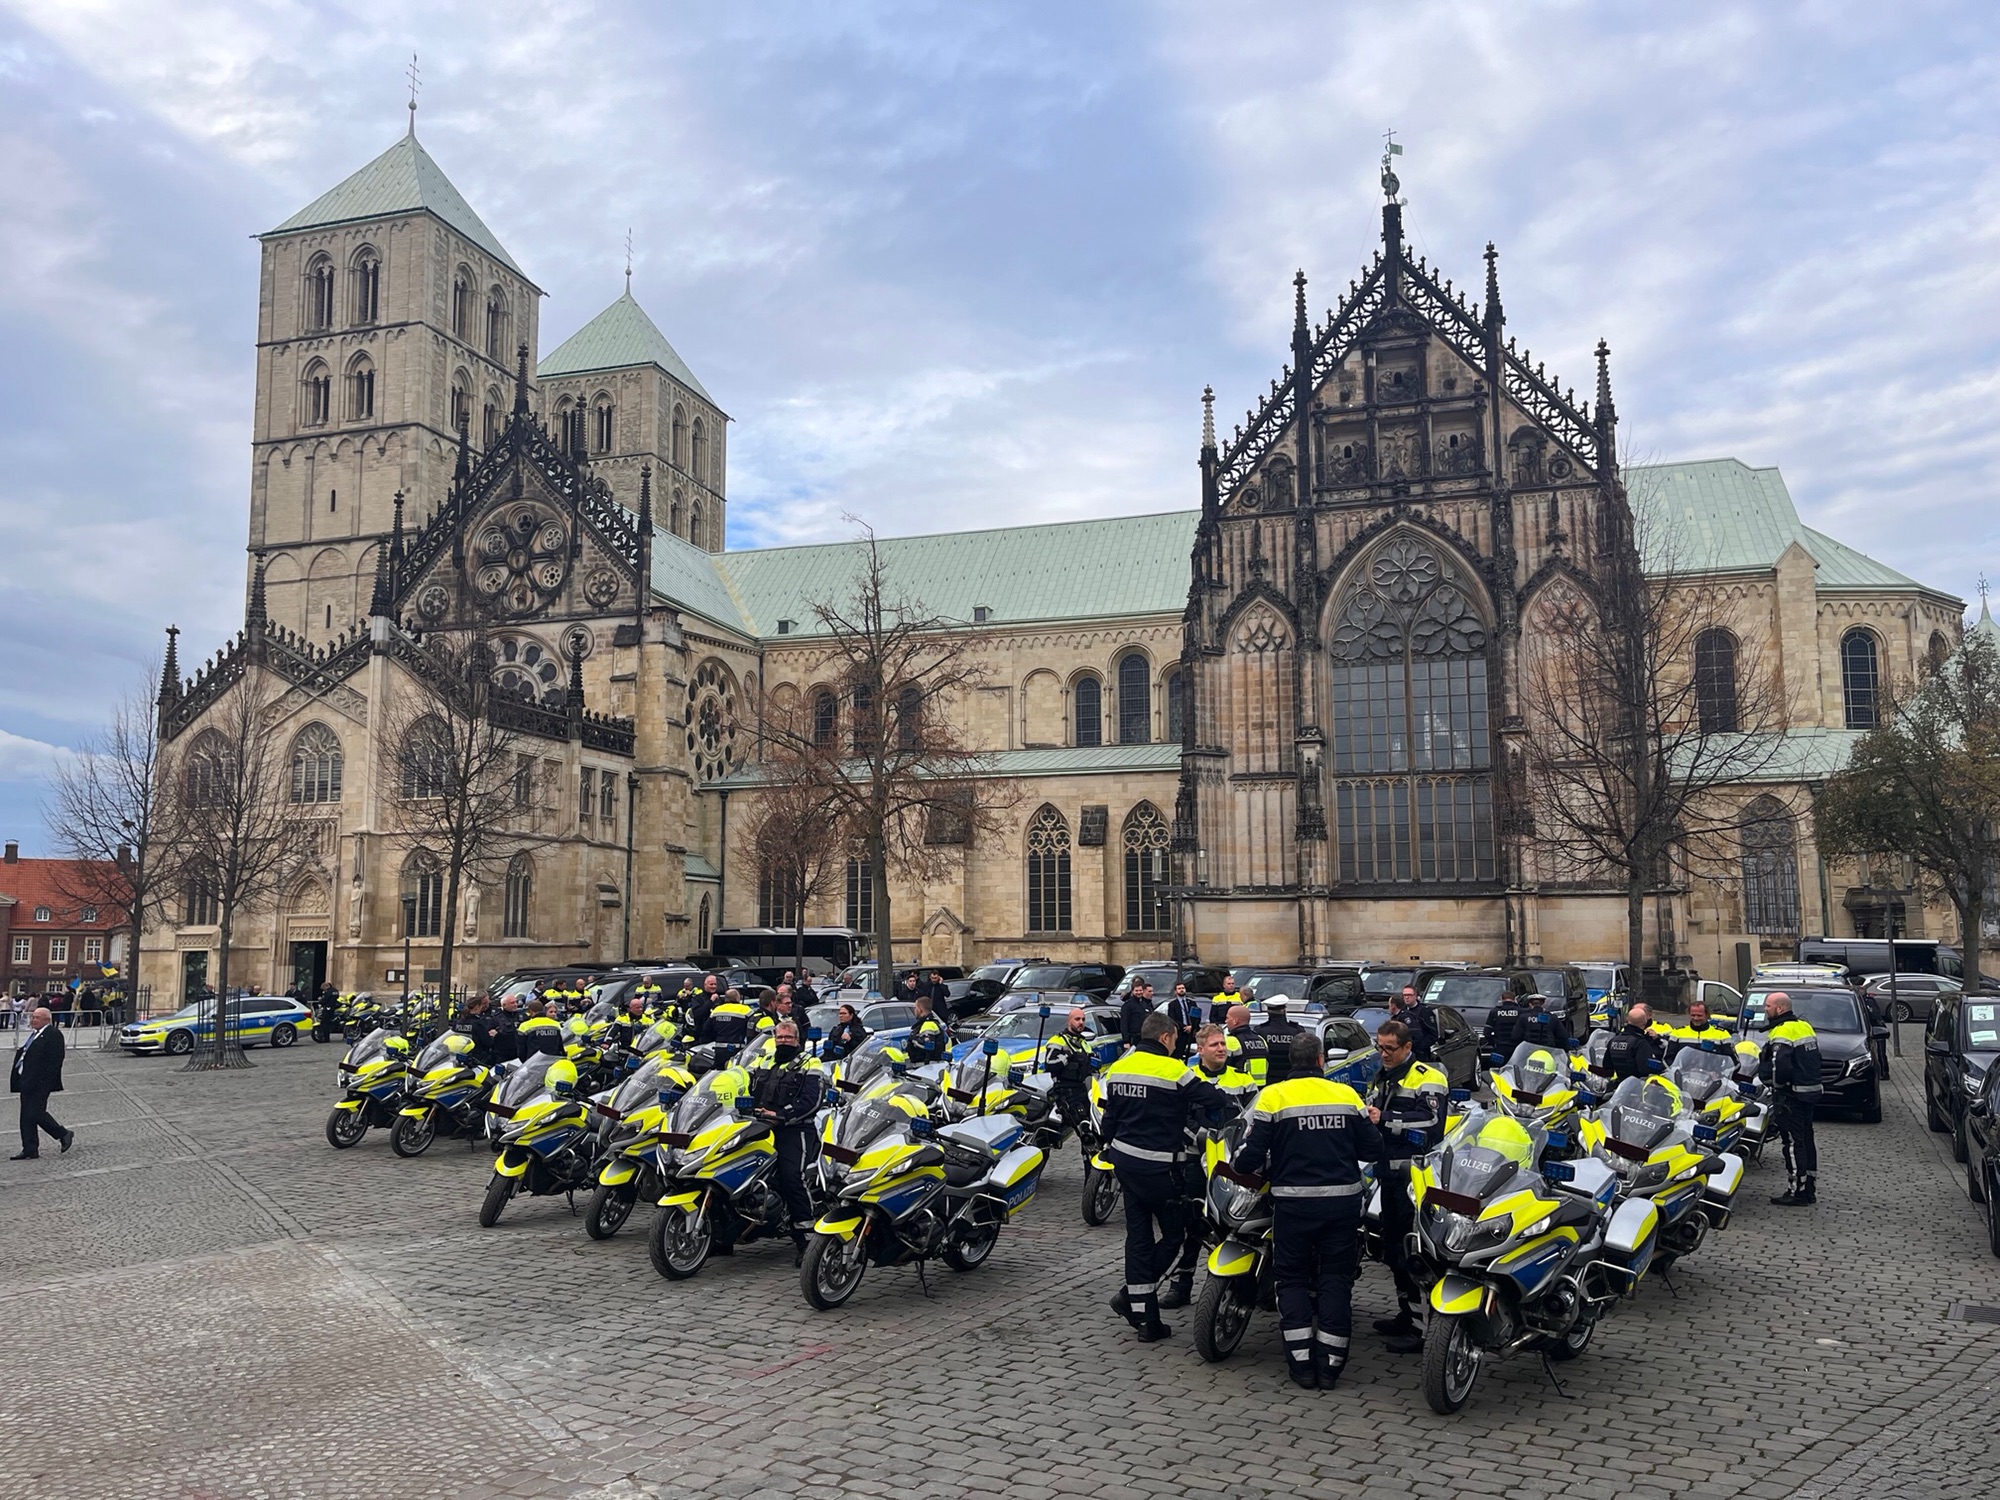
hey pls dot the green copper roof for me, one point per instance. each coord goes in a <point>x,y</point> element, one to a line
<point>617,338</point>
<point>1066,570</point>
<point>1984,626</point>
<point>401,180</point>
<point>1720,515</point>
<point>689,577</point>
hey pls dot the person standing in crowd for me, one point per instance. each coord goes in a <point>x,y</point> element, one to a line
<point>1633,1051</point>
<point>846,1037</point>
<point>1133,1010</point>
<point>1228,995</point>
<point>1211,1064</point>
<point>1790,1065</point>
<point>787,1095</point>
<point>36,1074</point>
<point>1310,1136</point>
<point>929,1040</point>
<point>1186,1013</point>
<point>1409,1100</point>
<point>1280,1033</point>
<point>1252,1050</point>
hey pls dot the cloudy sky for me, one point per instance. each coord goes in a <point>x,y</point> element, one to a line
<point>959,264</point>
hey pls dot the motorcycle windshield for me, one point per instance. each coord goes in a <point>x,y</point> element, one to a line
<point>641,1086</point>
<point>370,1047</point>
<point>600,1014</point>
<point>653,1038</point>
<point>1701,1075</point>
<point>1594,1048</point>
<point>434,1055</point>
<point>1485,1151</point>
<point>1640,1113</point>
<point>711,1099</point>
<point>868,1122</point>
<point>1536,1069</point>
<point>756,1053</point>
<point>525,1081</point>
<point>1231,1202</point>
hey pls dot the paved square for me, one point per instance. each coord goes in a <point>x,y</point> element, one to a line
<point>205,1300</point>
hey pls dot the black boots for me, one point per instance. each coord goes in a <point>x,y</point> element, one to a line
<point>1401,1326</point>
<point>1177,1289</point>
<point>1801,1193</point>
<point>1304,1373</point>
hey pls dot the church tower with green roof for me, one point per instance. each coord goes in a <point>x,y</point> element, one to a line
<point>390,318</point>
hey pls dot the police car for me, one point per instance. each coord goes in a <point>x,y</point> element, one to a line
<point>253,1020</point>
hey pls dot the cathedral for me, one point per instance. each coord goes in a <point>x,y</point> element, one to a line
<point>1282,724</point>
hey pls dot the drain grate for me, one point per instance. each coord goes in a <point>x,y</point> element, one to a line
<point>1973,1312</point>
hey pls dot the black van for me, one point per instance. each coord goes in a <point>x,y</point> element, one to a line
<point>1864,956</point>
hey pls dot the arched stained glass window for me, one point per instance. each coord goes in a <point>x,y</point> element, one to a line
<point>1411,751</point>
<point>316,765</point>
<point>1135,699</point>
<point>1048,872</point>
<point>1146,840</point>
<point>1715,681</point>
<point>520,897</point>
<point>1087,707</point>
<point>1770,868</point>
<point>1860,684</point>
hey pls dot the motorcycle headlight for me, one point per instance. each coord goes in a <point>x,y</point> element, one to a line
<point>1463,1236</point>
<point>1649,1173</point>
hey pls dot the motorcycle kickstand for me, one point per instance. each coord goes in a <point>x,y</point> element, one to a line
<point>571,1195</point>
<point>923,1281</point>
<point>1549,1369</point>
<point>1667,1279</point>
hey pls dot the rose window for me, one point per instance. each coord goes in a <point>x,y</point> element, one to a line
<point>520,559</point>
<point>529,671</point>
<point>711,721</point>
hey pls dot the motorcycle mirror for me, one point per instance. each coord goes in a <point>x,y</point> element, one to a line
<point>921,1128</point>
<point>1042,1011</point>
<point>814,1034</point>
<point>1459,1096</point>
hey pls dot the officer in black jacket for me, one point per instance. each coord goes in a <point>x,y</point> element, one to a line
<point>486,1032</point>
<point>930,1040</point>
<point>1506,1027</point>
<point>1148,1097</point>
<point>846,1037</point>
<point>1133,1010</point>
<point>1279,1034</point>
<point>787,1095</point>
<point>1253,1053</point>
<point>1633,1052</point>
<point>1543,1026</point>
<point>1410,1009</point>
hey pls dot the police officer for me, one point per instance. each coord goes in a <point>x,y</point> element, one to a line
<point>1506,1027</point>
<point>1410,1009</point>
<point>1310,1135</point>
<point>1790,1065</point>
<point>541,1032</point>
<point>728,1022</point>
<point>787,1095</point>
<point>1700,1027</point>
<point>929,1040</point>
<point>1633,1051</point>
<point>1068,1059</point>
<point>846,1037</point>
<point>1543,1026</point>
<point>1409,1099</point>
<point>485,1029</point>
<point>1279,1035</point>
<point>1185,1012</point>
<point>1148,1096</point>
<point>632,1025</point>
<point>1251,1051</point>
<point>702,1007</point>
<point>1212,1062</point>
<point>1133,1010</point>
<point>1228,995</point>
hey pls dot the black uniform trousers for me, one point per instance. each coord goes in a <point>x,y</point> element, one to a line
<point>1154,1194</point>
<point>1314,1259</point>
<point>1194,1183</point>
<point>794,1145</point>
<point>1794,1119</point>
<point>35,1117</point>
<point>1399,1217</point>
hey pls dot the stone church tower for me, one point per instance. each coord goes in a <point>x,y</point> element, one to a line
<point>1369,545</point>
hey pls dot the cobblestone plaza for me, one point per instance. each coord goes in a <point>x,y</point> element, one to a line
<point>205,1300</point>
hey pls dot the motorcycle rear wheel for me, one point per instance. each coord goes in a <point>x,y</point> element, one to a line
<point>498,1191</point>
<point>679,1243</point>
<point>319,1032</point>
<point>1451,1363</point>
<point>1100,1196</point>
<point>1573,1343</point>
<point>971,1254</point>
<point>1222,1315</point>
<point>610,1207</point>
<point>832,1270</point>
<point>345,1127</point>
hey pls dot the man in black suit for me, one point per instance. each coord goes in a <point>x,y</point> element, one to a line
<point>36,1074</point>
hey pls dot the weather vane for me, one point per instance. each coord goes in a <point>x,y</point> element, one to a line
<point>411,73</point>
<point>1390,185</point>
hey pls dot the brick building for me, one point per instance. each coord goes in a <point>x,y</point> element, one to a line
<point>55,923</point>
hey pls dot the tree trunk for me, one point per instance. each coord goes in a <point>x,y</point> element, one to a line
<point>1635,927</point>
<point>453,873</point>
<point>885,948</point>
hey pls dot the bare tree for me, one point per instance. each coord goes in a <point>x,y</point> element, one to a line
<point>233,837</point>
<point>1925,782</point>
<point>800,839</point>
<point>1642,717</point>
<point>891,767</point>
<point>106,811</point>
<point>464,780</point>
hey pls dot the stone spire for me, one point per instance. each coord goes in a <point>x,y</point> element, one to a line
<point>464,470</point>
<point>378,602</point>
<point>521,379</point>
<point>1494,316</point>
<point>257,617</point>
<point>1607,413</point>
<point>645,500</point>
<point>1301,328</point>
<point>170,669</point>
<point>575,700</point>
<point>1208,419</point>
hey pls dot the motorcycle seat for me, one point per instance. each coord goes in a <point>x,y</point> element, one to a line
<point>962,1174</point>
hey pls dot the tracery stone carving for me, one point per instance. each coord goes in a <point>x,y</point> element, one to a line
<point>1410,591</point>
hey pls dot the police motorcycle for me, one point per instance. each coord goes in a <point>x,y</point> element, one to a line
<point>327,1016</point>
<point>1643,1136</point>
<point>1717,1108</point>
<point>628,1119</point>
<point>361,1014</point>
<point>544,1136</point>
<point>445,1095</point>
<point>1101,1193</point>
<point>1535,1086</point>
<point>372,1075</point>
<point>1239,1280</point>
<point>901,1190</point>
<point>717,1169</point>
<point>1525,1259</point>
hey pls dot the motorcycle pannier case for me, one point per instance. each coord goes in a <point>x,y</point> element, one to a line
<point>1015,1177</point>
<point>1630,1237</point>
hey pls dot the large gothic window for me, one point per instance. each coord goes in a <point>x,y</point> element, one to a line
<point>1176,705</point>
<point>1859,682</point>
<point>1135,699</point>
<point>861,895</point>
<point>1048,872</point>
<point>1411,751</point>
<point>1146,870</point>
<point>520,897</point>
<point>1770,869</point>
<point>777,897</point>
<point>423,896</point>
<point>316,765</point>
<point>1715,681</point>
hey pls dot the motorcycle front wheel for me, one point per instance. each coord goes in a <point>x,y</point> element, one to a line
<point>1451,1363</point>
<point>411,1135</point>
<point>1573,1343</point>
<point>1100,1196</point>
<point>498,1191</point>
<point>680,1242</point>
<point>319,1031</point>
<point>969,1254</point>
<point>610,1207</point>
<point>345,1127</point>
<point>1222,1315</point>
<point>832,1270</point>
